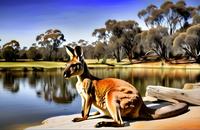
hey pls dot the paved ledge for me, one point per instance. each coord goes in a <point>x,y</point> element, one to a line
<point>187,121</point>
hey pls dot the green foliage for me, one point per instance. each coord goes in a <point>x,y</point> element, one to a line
<point>33,53</point>
<point>13,43</point>
<point>169,14</point>
<point>189,42</point>
<point>157,41</point>
<point>9,53</point>
<point>51,40</point>
<point>118,36</point>
<point>99,50</point>
<point>196,19</point>
<point>10,50</point>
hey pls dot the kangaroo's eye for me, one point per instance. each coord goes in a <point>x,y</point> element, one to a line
<point>77,66</point>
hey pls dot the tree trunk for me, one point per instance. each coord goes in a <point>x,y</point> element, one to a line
<point>162,61</point>
<point>130,57</point>
<point>171,31</point>
<point>118,59</point>
<point>104,59</point>
<point>118,54</point>
<point>191,96</point>
<point>49,58</point>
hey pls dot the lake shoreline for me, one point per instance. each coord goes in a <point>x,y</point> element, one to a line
<point>46,65</point>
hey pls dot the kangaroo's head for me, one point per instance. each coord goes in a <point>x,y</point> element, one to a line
<point>75,66</point>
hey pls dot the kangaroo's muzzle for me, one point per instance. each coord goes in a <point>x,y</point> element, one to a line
<point>66,74</point>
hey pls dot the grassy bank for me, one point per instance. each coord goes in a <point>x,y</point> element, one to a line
<point>40,65</point>
<point>157,65</point>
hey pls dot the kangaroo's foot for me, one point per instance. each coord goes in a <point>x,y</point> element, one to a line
<point>108,124</point>
<point>78,119</point>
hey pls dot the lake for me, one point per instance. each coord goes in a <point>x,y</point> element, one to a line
<point>27,98</point>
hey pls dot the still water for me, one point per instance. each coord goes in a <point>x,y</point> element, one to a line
<point>27,98</point>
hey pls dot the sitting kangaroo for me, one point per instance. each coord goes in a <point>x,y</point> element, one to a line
<point>114,97</point>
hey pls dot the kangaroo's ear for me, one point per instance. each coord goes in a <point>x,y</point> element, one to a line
<point>70,51</point>
<point>78,51</point>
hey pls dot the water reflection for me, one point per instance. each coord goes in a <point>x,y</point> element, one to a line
<point>55,88</point>
<point>141,78</point>
<point>51,85</point>
<point>10,82</point>
<point>48,85</point>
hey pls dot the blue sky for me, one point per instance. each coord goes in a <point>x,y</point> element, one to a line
<point>23,20</point>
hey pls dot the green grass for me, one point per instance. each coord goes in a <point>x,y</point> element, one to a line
<point>30,65</point>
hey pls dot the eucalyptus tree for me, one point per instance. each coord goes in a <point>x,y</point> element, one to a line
<point>33,52</point>
<point>129,30</point>
<point>196,15</point>
<point>103,36</point>
<point>88,48</point>
<point>72,44</point>
<point>189,42</point>
<point>13,43</point>
<point>51,40</point>
<point>83,42</point>
<point>10,50</point>
<point>23,53</point>
<point>115,41</point>
<point>118,36</point>
<point>157,41</point>
<point>196,19</point>
<point>169,14</point>
<point>146,15</point>
<point>123,38</point>
<point>99,50</point>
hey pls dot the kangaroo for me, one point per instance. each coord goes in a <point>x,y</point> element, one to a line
<point>115,98</point>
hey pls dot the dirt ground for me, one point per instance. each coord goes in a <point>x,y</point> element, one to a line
<point>187,121</point>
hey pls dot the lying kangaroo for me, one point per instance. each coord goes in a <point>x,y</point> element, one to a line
<point>114,97</point>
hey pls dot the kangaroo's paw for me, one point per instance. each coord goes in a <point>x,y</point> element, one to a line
<point>108,124</point>
<point>78,119</point>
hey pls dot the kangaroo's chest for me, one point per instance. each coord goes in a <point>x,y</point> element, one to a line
<point>79,87</point>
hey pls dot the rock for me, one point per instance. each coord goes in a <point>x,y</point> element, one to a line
<point>188,120</point>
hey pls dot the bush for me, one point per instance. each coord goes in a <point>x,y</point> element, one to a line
<point>33,53</point>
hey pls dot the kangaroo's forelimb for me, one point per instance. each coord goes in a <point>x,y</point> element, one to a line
<point>87,101</point>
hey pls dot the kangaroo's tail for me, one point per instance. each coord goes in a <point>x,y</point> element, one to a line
<point>169,111</point>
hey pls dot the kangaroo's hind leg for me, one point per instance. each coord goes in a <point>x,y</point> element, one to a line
<point>113,107</point>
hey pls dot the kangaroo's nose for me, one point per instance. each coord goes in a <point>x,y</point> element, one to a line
<point>65,75</point>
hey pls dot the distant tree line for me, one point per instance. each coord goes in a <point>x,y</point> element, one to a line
<point>47,48</point>
<point>173,35</point>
